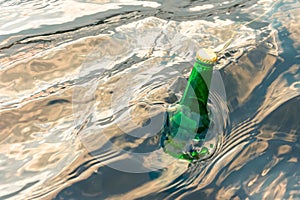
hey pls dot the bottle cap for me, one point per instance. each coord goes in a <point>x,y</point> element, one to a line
<point>207,56</point>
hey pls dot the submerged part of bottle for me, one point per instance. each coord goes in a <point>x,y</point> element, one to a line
<point>188,121</point>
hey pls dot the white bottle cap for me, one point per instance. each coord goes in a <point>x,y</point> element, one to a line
<point>207,56</point>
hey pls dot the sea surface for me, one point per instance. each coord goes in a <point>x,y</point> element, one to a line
<point>85,85</point>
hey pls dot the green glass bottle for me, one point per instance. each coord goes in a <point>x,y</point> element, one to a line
<point>187,122</point>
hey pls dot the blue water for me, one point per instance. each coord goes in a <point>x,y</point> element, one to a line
<point>85,86</point>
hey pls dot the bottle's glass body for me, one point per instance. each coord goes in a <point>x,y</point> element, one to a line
<point>187,122</point>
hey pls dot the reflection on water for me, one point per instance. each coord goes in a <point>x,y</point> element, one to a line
<point>84,91</point>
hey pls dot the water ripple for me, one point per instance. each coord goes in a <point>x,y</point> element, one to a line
<point>83,96</point>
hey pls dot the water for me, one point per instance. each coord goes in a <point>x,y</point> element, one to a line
<point>85,85</point>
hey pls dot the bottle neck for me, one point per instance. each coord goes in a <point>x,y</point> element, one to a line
<point>196,93</point>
